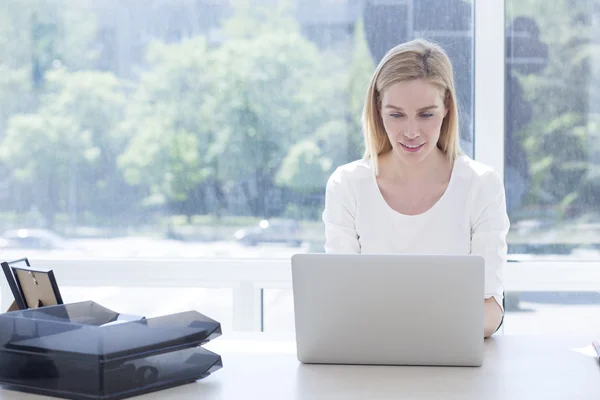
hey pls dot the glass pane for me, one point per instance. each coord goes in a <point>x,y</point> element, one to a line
<point>552,128</point>
<point>192,128</point>
<point>563,313</point>
<point>278,311</point>
<point>552,162</point>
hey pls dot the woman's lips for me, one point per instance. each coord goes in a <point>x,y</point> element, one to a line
<point>412,148</point>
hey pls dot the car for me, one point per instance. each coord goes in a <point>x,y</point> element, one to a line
<point>279,231</point>
<point>35,239</point>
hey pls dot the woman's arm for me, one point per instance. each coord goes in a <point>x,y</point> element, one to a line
<point>492,316</point>
<point>338,216</point>
<point>490,225</point>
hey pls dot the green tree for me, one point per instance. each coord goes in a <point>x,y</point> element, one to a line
<point>43,151</point>
<point>66,27</point>
<point>169,125</point>
<point>224,118</point>
<point>66,152</point>
<point>15,93</point>
<point>273,89</point>
<point>37,36</point>
<point>309,162</point>
<point>251,19</point>
<point>557,140</point>
<point>97,102</point>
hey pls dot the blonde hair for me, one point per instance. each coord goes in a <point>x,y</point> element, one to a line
<point>417,59</point>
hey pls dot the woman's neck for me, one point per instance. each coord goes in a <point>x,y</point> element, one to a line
<point>434,168</point>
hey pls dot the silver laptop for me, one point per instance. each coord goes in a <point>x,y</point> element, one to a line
<point>389,309</point>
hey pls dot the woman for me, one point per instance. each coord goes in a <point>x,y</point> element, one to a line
<point>414,191</point>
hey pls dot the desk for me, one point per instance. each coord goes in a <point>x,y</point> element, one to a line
<point>514,368</point>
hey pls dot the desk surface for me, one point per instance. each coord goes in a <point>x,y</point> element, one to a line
<point>514,368</point>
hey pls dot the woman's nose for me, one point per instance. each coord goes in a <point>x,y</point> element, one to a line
<point>411,130</point>
<point>411,134</point>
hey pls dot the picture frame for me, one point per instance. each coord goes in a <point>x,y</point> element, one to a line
<point>19,302</point>
<point>38,286</point>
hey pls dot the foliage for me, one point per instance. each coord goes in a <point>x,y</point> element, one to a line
<point>249,117</point>
<point>558,141</point>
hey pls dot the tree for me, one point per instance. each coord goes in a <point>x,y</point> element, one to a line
<point>251,19</point>
<point>43,150</point>
<point>273,89</point>
<point>96,101</point>
<point>39,35</point>
<point>309,163</point>
<point>557,139</point>
<point>168,123</point>
<point>66,152</point>
<point>36,36</point>
<point>15,93</point>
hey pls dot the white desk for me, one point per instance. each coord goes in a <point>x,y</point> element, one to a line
<point>514,368</point>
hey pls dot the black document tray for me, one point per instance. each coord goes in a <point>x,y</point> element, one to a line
<point>64,351</point>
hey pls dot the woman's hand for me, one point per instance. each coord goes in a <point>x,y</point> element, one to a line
<point>492,316</point>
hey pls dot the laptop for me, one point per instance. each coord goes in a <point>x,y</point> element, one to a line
<point>389,309</point>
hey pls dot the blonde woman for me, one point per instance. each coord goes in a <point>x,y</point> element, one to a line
<point>414,191</point>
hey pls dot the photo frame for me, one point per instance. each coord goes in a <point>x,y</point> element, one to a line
<point>19,302</point>
<point>37,286</point>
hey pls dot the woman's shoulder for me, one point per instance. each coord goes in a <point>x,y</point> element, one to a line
<point>352,173</point>
<point>468,167</point>
<point>477,174</point>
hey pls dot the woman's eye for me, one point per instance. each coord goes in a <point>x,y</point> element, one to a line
<point>427,115</point>
<point>396,115</point>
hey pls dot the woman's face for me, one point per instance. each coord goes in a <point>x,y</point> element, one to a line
<point>412,113</point>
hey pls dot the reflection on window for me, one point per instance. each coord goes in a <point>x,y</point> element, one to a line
<point>553,128</point>
<point>193,129</point>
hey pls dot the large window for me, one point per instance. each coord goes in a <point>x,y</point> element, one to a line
<point>193,129</point>
<point>199,135</point>
<point>206,129</point>
<point>552,164</point>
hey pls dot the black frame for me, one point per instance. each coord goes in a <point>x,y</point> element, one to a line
<point>51,278</point>
<point>12,281</point>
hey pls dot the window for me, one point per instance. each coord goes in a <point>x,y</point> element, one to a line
<point>551,164</point>
<point>551,160</point>
<point>182,147</point>
<point>193,130</point>
<point>204,129</point>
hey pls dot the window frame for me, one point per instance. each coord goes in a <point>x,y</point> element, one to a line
<point>489,83</point>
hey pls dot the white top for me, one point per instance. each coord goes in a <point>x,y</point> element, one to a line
<point>469,218</point>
